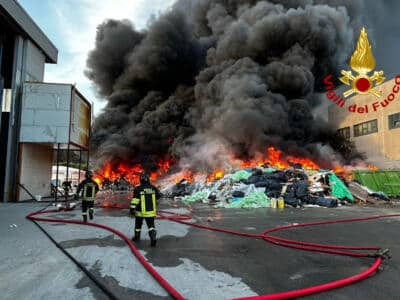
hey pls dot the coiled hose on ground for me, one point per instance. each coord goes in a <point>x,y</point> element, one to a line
<point>352,251</point>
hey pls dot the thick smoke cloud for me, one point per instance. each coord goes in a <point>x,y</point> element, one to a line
<point>211,78</point>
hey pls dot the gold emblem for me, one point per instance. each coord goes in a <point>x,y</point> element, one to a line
<point>362,61</point>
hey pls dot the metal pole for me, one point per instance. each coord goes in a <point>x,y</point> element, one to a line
<point>87,160</point>
<point>90,134</point>
<point>1,95</point>
<point>1,80</point>
<point>67,176</point>
<point>79,170</point>
<point>1,77</point>
<point>58,163</point>
<point>14,122</point>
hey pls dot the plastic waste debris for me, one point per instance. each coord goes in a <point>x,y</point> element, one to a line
<point>338,189</point>
<point>240,175</point>
<point>238,194</point>
<point>253,200</point>
<point>196,196</point>
<point>263,186</point>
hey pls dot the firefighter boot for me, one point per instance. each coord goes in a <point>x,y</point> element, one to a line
<point>136,238</point>
<point>91,213</point>
<point>84,218</point>
<point>153,234</point>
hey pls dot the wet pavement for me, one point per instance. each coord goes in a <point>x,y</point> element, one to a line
<point>200,264</point>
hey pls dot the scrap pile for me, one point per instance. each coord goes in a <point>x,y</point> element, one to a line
<point>258,187</point>
<point>118,184</point>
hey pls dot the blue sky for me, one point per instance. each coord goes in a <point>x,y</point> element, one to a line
<point>71,26</point>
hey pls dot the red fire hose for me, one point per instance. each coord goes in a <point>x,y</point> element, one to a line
<point>266,235</point>
<point>174,293</point>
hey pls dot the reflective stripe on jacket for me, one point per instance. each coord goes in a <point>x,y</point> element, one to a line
<point>145,204</point>
<point>89,192</point>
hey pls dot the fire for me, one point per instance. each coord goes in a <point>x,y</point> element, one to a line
<point>107,170</point>
<point>164,165</point>
<point>186,175</point>
<point>304,162</point>
<point>344,172</point>
<point>272,157</point>
<point>347,171</point>
<point>217,174</point>
<point>249,164</point>
<point>275,160</point>
<point>131,173</point>
<point>338,170</point>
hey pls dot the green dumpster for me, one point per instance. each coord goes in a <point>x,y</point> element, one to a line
<point>387,181</point>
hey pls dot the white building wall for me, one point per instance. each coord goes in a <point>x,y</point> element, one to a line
<point>34,63</point>
<point>35,169</point>
<point>45,113</point>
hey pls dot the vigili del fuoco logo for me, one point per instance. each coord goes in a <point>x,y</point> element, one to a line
<point>362,62</point>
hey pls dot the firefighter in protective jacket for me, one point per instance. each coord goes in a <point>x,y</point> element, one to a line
<point>143,206</point>
<point>89,189</point>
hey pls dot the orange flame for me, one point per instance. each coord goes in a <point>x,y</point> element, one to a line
<point>130,173</point>
<point>186,175</point>
<point>345,173</point>
<point>304,162</point>
<point>372,168</point>
<point>338,170</point>
<point>272,157</point>
<point>217,174</point>
<point>97,180</point>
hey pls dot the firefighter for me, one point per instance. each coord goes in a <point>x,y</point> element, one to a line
<point>66,185</point>
<point>89,190</point>
<point>143,206</point>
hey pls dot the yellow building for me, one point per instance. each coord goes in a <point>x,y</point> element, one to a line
<point>372,123</point>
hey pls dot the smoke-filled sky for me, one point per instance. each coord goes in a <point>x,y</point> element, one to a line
<point>209,78</point>
<point>71,25</point>
<point>214,78</point>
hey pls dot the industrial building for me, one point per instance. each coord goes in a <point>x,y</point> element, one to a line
<point>376,131</point>
<point>36,117</point>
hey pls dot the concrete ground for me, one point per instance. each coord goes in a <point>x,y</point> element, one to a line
<point>200,264</point>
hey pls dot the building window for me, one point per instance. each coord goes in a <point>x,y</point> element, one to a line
<point>344,132</point>
<point>394,121</point>
<point>366,128</point>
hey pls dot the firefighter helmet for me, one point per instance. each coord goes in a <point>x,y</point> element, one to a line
<point>88,174</point>
<point>144,178</point>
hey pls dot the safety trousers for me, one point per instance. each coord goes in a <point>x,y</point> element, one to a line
<point>150,226</point>
<point>87,206</point>
<point>139,222</point>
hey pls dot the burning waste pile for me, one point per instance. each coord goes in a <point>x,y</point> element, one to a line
<point>274,181</point>
<point>266,185</point>
<point>210,84</point>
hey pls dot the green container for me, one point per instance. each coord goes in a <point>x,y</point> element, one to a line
<point>387,181</point>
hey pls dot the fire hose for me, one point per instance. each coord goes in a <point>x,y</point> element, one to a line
<point>352,251</point>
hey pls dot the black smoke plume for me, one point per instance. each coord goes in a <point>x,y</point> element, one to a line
<point>211,78</point>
